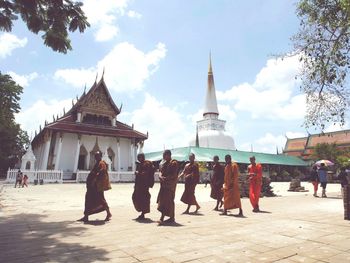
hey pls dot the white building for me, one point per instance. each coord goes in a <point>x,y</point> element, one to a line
<point>211,130</point>
<point>68,143</point>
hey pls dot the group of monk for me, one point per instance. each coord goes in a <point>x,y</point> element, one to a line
<point>224,186</point>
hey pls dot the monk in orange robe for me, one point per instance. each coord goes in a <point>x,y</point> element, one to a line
<point>144,179</point>
<point>216,182</point>
<point>255,182</point>
<point>232,196</point>
<point>168,181</point>
<point>96,183</point>
<point>191,175</point>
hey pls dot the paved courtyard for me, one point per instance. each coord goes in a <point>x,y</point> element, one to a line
<point>37,224</point>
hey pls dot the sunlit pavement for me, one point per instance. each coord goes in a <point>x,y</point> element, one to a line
<point>38,224</point>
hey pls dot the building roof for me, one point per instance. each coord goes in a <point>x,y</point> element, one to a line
<point>206,155</point>
<point>297,144</point>
<point>97,101</point>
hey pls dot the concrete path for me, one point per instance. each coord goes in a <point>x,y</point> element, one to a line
<point>37,224</point>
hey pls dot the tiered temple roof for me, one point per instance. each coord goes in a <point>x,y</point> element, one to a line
<point>94,113</point>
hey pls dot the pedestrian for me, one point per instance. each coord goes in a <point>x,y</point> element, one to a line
<point>255,182</point>
<point>144,180</point>
<point>25,181</point>
<point>322,176</point>
<point>314,179</point>
<point>342,177</point>
<point>216,182</point>
<point>19,178</point>
<point>168,180</point>
<point>96,183</point>
<point>191,175</point>
<point>232,196</point>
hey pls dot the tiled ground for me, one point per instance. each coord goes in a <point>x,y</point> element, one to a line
<point>37,224</point>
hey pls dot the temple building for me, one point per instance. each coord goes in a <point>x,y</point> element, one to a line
<point>211,130</point>
<point>304,147</point>
<point>69,142</point>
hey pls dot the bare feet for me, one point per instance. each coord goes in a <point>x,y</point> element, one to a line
<point>170,220</point>
<point>186,212</point>
<point>108,217</point>
<point>83,219</point>
<point>141,217</point>
<point>224,213</point>
<point>197,208</point>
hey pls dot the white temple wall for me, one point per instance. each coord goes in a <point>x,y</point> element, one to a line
<point>125,155</point>
<point>69,146</point>
<point>55,152</point>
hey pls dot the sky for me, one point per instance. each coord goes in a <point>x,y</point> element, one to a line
<point>155,54</point>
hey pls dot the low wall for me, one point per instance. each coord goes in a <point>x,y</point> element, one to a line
<point>48,176</point>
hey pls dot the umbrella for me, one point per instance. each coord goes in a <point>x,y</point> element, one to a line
<point>326,162</point>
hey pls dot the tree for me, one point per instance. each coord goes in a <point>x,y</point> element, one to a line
<point>12,139</point>
<point>53,17</point>
<point>323,46</point>
<point>326,151</point>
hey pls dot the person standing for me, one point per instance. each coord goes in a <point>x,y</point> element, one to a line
<point>314,179</point>
<point>191,175</point>
<point>342,177</point>
<point>25,181</point>
<point>255,182</point>
<point>322,176</point>
<point>216,182</point>
<point>19,178</point>
<point>96,183</point>
<point>168,181</point>
<point>232,196</point>
<point>144,179</point>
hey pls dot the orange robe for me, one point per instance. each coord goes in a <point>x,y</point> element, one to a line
<point>144,180</point>
<point>255,173</point>
<point>167,190</point>
<point>191,174</point>
<point>232,196</point>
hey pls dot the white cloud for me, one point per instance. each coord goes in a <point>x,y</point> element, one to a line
<point>23,80</point>
<point>268,143</point>
<point>271,95</point>
<point>134,14</point>
<point>77,77</point>
<point>292,135</point>
<point>166,127</point>
<point>9,42</point>
<point>337,127</point>
<point>126,68</point>
<point>103,15</point>
<point>31,117</point>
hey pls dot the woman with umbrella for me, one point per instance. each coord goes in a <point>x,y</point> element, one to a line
<point>322,176</point>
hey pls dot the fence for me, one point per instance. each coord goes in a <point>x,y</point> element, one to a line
<point>48,176</point>
<point>114,177</point>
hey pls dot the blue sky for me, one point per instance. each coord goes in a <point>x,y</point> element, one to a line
<point>155,55</point>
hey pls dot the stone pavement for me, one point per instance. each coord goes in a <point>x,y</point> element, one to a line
<point>37,224</point>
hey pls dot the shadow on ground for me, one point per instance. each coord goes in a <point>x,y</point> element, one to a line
<point>28,238</point>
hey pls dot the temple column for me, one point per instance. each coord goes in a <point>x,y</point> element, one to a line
<point>47,139</point>
<point>118,155</point>
<point>76,160</point>
<point>58,155</point>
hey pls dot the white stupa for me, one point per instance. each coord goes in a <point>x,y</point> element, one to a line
<point>211,130</point>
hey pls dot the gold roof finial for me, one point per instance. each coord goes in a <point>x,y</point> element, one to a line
<point>210,67</point>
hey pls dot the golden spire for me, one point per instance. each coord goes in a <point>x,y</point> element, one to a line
<point>210,68</point>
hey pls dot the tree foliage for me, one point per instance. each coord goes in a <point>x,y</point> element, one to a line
<point>53,17</point>
<point>12,139</point>
<point>326,151</point>
<point>323,45</point>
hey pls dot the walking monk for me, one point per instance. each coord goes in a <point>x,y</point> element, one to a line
<point>232,196</point>
<point>255,182</point>
<point>216,182</point>
<point>168,181</point>
<point>96,183</point>
<point>144,179</point>
<point>191,175</point>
